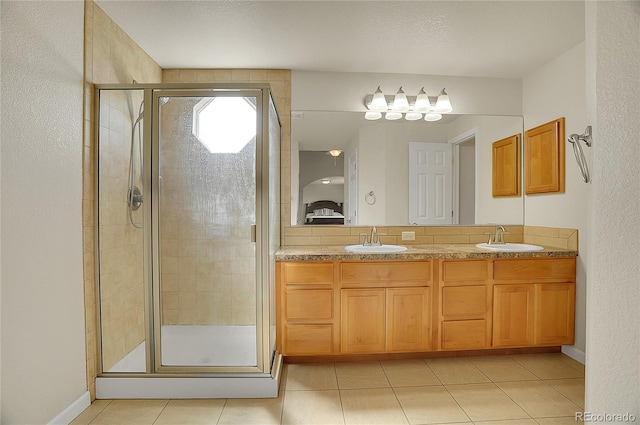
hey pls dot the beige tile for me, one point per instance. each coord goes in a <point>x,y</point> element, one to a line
<point>485,402</point>
<point>312,407</point>
<point>549,366</point>
<point>456,371</point>
<point>429,405</point>
<point>311,376</point>
<point>192,412</point>
<point>573,363</point>
<point>501,369</point>
<point>573,389</point>
<point>90,412</point>
<point>510,422</point>
<point>352,375</point>
<point>409,373</point>
<point>120,412</point>
<point>538,399</point>
<point>255,411</point>
<point>371,406</point>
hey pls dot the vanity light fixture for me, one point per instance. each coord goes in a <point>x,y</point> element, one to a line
<point>411,107</point>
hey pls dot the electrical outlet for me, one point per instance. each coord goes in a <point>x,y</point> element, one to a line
<point>408,236</point>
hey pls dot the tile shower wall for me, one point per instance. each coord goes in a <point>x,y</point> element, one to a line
<point>207,283</point>
<point>121,244</point>
<point>110,57</point>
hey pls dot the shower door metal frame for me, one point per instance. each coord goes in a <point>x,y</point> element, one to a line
<point>265,356</point>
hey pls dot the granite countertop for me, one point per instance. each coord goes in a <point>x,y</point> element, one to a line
<point>414,252</point>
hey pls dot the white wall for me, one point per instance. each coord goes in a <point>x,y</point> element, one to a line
<point>558,89</point>
<point>613,265</point>
<point>343,91</point>
<point>43,344</point>
<point>489,129</point>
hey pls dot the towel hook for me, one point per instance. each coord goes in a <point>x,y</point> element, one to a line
<point>370,198</point>
<point>575,139</point>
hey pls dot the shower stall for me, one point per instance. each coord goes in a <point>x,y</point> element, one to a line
<point>188,217</point>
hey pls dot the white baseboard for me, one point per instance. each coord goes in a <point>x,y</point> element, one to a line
<point>72,411</point>
<point>574,353</point>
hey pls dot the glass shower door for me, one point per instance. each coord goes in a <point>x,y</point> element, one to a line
<point>206,284</point>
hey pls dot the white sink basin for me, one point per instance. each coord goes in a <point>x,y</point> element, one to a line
<point>510,247</point>
<point>375,249</point>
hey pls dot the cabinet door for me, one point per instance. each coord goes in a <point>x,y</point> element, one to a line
<point>362,321</point>
<point>554,311</point>
<point>407,318</point>
<point>513,313</point>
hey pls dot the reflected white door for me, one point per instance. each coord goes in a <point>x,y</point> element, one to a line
<point>430,183</point>
<point>352,199</point>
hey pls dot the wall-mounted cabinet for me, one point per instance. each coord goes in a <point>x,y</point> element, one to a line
<point>506,167</point>
<point>544,158</point>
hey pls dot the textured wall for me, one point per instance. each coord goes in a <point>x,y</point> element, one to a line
<point>43,368</point>
<point>613,297</point>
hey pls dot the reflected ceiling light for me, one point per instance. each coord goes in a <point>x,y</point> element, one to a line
<point>411,107</point>
<point>335,153</point>
<point>432,116</point>
<point>325,181</point>
<point>412,116</point>
<point>443,105</point>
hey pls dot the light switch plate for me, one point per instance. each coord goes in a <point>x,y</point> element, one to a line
<point>408,236</point>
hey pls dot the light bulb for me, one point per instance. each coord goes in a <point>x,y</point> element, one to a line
<point>443,105</point>
<point>379,102</point>
<point>400,102</point>
<point>422,102</point>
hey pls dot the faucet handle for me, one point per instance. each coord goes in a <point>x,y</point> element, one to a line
<point>380,234</point>
<point>364,242</point>
<point>489,242</point>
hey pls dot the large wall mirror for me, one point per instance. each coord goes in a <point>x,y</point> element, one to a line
<point>398,173</point>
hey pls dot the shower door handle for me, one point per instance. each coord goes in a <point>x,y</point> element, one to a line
<point>253,233</point>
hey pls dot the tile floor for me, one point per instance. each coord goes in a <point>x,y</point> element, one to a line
<point>540,389</point>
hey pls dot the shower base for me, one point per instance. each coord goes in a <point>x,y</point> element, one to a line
<point>198,346</point>
<point>194,346</point>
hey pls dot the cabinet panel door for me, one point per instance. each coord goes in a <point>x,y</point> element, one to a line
<point>407,317</point>
<point>555,320</point>
<point>513,315</point>
<point>464,334</point>
<point>307,339</point>
<point>464,271</point>
<point>309,304</point>
<point>363,320</point>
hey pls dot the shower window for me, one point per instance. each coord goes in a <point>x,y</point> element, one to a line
<point>224,124</point>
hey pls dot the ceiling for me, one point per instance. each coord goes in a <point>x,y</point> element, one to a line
<point>500,39</point>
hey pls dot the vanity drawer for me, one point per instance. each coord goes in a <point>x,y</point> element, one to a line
<point>309,305</point>
<point>552,269</point>
<point>464,302</point>
<point>307,273</point>
<point>302,339</point>
<point>464,335</point>
<point>385,272</point>
<point>464,270</point>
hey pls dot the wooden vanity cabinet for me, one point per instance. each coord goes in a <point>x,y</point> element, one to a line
<point>534,302</point>
<point>385,306</point>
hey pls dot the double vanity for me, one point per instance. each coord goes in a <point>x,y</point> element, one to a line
<point>432,299</point>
